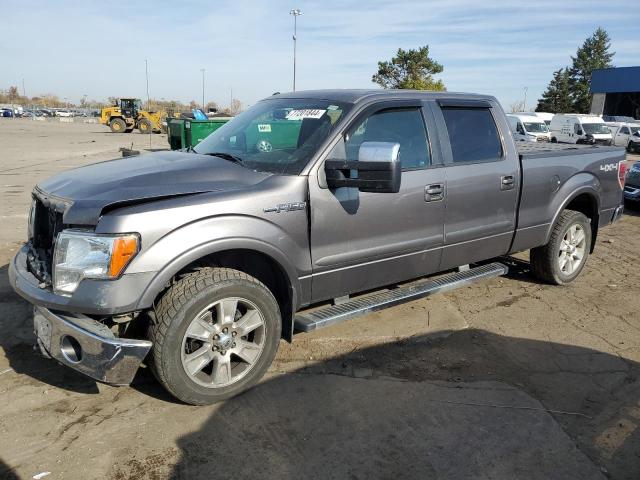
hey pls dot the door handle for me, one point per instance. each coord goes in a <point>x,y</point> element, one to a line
<point>507,182</point>
<point>434,192</point>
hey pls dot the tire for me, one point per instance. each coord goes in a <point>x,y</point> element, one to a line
<point>144,126</point>
<point>554,140</point>
<point>180,341</point>
<point>554,263</point>
<point>118,125</point>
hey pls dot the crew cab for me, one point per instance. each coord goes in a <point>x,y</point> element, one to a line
<point>199,262</point>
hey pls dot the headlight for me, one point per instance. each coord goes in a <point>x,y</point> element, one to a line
<point>81,255</point>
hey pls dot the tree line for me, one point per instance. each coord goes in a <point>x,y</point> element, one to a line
<point>568,91</point>
<point>12,96</point>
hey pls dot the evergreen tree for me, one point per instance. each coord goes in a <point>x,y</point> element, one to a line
<point>557,96</point>
<point>593,54</point>
<point>412,69</point>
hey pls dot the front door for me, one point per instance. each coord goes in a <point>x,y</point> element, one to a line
<point>361,241</point>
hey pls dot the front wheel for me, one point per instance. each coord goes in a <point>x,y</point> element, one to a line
<point>144,126</point>
<point>117,125</point>
<point>215,334</point>
<point>562,259</point>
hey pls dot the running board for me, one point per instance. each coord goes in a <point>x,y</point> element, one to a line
<point>309,321</point>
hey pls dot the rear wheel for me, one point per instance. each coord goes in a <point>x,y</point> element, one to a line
<point>554,140</point>
<point>144,126</point>
<point>562,259</point>
<point>215,334</point>
<point>117,125</point>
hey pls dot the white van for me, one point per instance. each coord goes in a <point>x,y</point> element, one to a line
<point>528,128</point>
<point>545,116</point>
<point>579,128</point>
<point>625,135</point>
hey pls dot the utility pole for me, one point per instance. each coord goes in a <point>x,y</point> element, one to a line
<point>296,13</point>
<point>202,70</point>
<point>524,109</point>
<point>24,93</point>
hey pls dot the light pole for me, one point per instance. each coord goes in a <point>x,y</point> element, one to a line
<point>202,70</point>
<point>296,13</point>
<point>146,74</point>
<point>526,89</point>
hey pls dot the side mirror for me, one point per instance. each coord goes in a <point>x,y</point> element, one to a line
<point>579,132</point>
<point>378,169</point>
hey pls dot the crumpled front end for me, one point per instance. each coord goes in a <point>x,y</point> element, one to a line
<point>88,346</point>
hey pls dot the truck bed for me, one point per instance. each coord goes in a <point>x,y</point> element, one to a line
<point>545,149</point>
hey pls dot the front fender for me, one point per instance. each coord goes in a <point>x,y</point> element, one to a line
<point>183,246</point>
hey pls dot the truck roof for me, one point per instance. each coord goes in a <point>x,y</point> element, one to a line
<point>357,95</point>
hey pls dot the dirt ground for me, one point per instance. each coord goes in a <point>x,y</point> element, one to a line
<point>504,379</point>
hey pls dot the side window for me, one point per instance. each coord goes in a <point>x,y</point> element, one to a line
<point>473,135</point>
<point>404,126</point>
<point>577,129</point>
<point>624,131</point>
<point>520,128</point>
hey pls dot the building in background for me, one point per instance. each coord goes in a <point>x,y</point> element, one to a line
<point>616,92</point>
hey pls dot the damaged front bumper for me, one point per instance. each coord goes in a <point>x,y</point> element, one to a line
<point>88,346</point>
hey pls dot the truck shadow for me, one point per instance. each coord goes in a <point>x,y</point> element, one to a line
<point>454,405</point>
<point>7,473</point>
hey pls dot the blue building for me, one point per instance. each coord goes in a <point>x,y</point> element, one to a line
<point>616,91</point>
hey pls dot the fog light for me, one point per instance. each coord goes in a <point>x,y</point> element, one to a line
<point>71,349</point>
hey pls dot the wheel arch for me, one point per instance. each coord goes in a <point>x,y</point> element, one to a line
<point>586,201</point>
<point>258,259</point>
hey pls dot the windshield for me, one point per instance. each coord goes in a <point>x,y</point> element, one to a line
<point>277,135</point>
<point>595,128</point>
<point>536,127</point>
<point>635,131</point>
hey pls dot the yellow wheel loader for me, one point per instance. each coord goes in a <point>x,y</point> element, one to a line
<point>128,114</point>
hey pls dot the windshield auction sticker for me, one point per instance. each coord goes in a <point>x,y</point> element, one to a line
<point>305,113</point>
<point>264,128</point>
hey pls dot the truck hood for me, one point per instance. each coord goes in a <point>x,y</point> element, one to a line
<point>84,193</point>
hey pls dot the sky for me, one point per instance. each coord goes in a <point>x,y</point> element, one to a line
<point>98,48</point>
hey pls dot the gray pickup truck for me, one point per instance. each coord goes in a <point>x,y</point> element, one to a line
<point>295,215</point>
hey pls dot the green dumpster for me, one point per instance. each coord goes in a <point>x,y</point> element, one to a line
<point>187,132</point>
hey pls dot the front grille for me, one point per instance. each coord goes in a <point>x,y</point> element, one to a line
<point>45,222</point>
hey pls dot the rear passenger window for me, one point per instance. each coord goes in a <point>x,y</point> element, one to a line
<point>473,135</point>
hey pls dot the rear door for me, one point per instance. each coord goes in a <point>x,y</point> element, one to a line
<point>482,171</point>
<point>362,240</point>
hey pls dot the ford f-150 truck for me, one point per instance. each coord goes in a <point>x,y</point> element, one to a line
<point>199,262</point>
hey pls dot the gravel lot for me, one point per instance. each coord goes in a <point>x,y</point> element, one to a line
<point>505,379</point>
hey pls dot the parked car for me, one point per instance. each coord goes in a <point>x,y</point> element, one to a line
<point>6,112</point>
<point>206,259</point>
<point>626,135</point>
<point>64,113</point>
<point>528,128</point>
<point>619,118</point>
<point>632,185</point>
<point>579,128</point>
